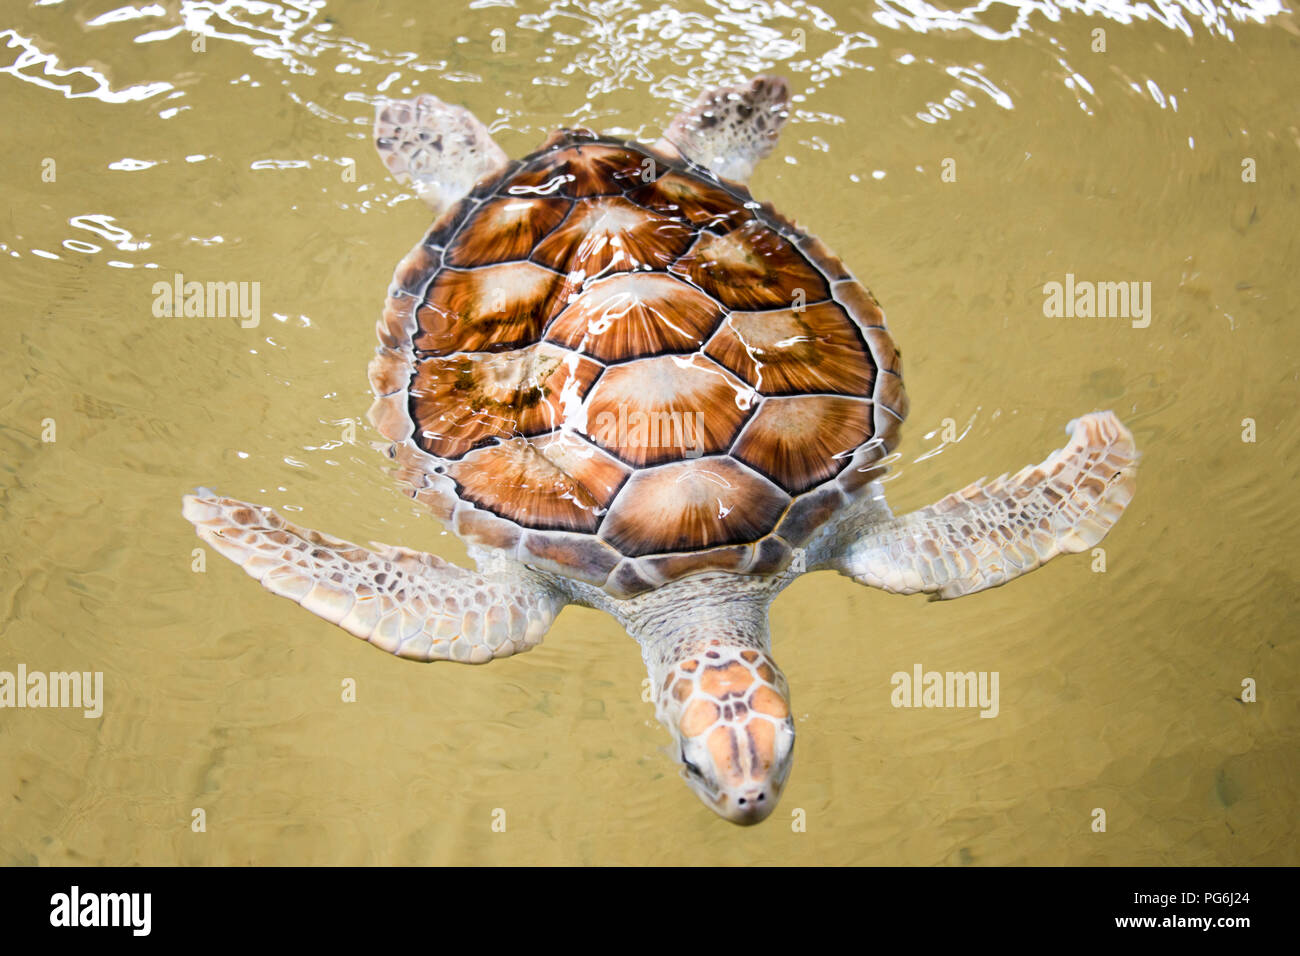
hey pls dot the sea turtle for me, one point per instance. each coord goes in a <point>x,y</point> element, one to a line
<point>626,384</point>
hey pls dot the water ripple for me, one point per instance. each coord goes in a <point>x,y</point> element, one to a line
<point>602,45</point>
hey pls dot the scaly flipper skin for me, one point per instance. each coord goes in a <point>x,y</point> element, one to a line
<point>987,534</point>
<point>408,603</point>
<point>440,150</point>
<point>731,128</point>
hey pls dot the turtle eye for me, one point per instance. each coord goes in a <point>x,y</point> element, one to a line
<point>690,767</point>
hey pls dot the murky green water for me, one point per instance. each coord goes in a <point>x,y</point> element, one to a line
<point>957,159</point>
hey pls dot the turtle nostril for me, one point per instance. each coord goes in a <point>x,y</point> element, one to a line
<point>741,801</point>
<point>762,797</point>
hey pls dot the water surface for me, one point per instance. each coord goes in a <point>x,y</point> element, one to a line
<point>228,141</point>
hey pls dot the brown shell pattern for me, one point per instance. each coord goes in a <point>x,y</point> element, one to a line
<point>618,368</point>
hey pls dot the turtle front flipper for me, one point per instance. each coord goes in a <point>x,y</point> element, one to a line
<point>987,534</point>
<point>730,128</point>
<point>408,603</point>
<point>442,151</point>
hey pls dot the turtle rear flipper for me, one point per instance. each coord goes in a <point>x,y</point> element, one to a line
<point>408,603</point>
<point>442,151</point>
<point>730,128</point>
<point>989,533</point>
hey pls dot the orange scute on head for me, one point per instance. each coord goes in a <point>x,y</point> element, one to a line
<point>699,716</point>
<point>722,747</point>
<point>768,701</point>
<point>682,690</point>
<point>766,673</point>
<point>762,744</point>
<point>722,680</point>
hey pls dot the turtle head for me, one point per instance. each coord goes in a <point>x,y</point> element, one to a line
<point>729,711</point>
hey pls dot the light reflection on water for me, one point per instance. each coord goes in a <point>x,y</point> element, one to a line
<point>612,45</point>
<point>589,49</point>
